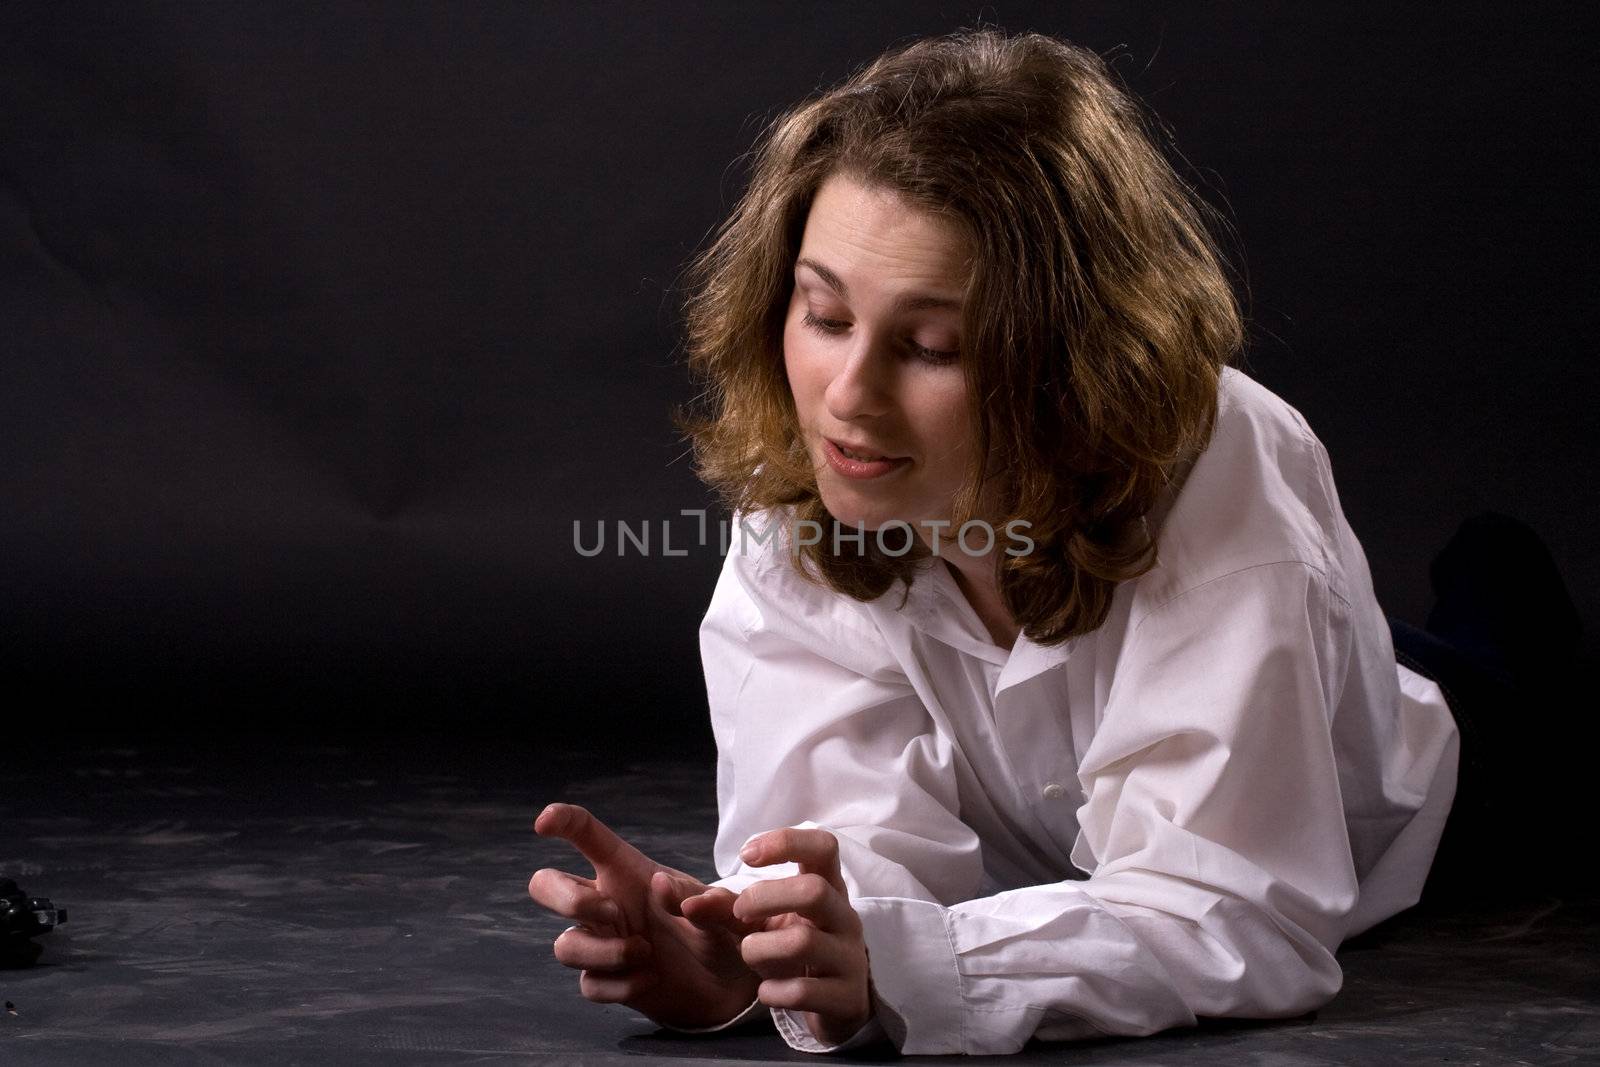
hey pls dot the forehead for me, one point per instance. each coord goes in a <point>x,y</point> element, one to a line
<point>873,236</point>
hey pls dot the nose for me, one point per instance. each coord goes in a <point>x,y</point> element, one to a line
<point>863,385</point>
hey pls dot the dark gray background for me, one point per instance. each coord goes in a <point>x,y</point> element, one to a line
<point>321,324</point>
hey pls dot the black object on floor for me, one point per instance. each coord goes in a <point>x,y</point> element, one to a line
<point>362,902</point>
<point>1500,598</point>
<point>1502,641</point>
<point>23,918</point>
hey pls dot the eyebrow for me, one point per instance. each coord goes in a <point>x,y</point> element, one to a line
<point>905,302</point>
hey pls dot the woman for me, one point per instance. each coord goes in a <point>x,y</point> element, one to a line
<point>1051,695</point>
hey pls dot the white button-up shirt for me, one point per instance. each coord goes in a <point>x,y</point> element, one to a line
<point>1180,814</point>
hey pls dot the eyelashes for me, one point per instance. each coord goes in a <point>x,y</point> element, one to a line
<point>830,328</point>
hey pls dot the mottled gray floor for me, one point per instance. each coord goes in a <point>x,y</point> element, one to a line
<point>355,903</point>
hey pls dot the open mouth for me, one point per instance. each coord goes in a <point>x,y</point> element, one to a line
<point>860,455</point>
<point>851,463</point>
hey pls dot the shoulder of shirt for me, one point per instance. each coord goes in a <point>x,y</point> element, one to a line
<point>1261,493</point>
<point>773,601</point>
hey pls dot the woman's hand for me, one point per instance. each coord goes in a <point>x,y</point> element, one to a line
<point>810,951</point>
<point>648,936</point>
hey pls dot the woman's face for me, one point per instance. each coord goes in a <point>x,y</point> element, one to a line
<point>870,344</point>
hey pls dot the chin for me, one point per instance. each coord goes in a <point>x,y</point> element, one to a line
<point>854,507</point>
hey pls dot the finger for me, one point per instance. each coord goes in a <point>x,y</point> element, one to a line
<point>810,896</point>
<point>598,842</point>
<point>606,989</point>
<point>573,897</point>
<point>713,909</point>
<point>816,851</point>
<point>587,950</point>
<point>789,951</point>
<point>668,892</point>
<point>825,996</point>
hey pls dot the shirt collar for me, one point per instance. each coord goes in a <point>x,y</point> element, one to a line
<point>936,606</point>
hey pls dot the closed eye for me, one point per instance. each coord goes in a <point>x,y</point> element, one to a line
<point>832,328</point>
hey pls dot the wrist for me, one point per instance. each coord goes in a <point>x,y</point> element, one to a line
<point>833,1030</point>
<point>733,1001</point>
<point>739,995</point>
<point>751,1011</point>
<point>719,1009</point>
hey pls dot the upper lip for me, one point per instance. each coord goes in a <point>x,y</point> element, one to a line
<point>863,449</point>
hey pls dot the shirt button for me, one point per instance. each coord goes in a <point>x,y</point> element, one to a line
<point>1052,791</point>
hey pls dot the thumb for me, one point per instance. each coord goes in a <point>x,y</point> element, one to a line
<point>712,908</point>
<point>668,892</point>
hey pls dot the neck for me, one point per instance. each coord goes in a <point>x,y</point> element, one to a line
<point>975,577</point>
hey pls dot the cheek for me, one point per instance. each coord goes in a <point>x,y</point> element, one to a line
<point>800,364</point>
<point>944,427</point>
<point>945,419</point>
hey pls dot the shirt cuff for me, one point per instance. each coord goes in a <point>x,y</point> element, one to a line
<point>755,1010</point>
<point>915,978</point>
<point>799,1037</point>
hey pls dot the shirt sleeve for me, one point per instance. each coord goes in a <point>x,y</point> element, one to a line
<point>800,1038</point>
<point>793,1028</point>
<point>816,726</point>
<point>1221,877</point>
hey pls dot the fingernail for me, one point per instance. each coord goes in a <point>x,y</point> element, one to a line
<point>750,852</point>
<point>613,913</point>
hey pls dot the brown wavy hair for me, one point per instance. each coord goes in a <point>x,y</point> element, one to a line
<point>1097,319</point>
